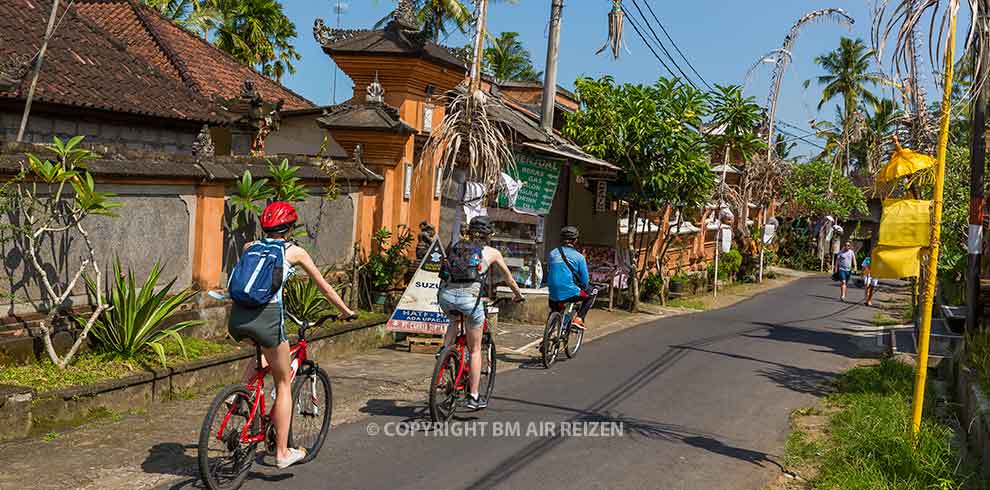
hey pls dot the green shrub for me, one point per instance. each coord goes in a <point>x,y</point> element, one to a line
<point>134,324</point>
<point>978,356</point>
<point>304,299</point>
<point>728,265</point>
<point>652,286</point>
<point>388,262</point>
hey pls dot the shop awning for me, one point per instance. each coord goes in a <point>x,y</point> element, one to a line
<point>573,154</point>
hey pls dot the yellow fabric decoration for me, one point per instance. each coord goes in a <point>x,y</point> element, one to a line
<point>904,162</point>
<point>906,223</point>
<point>895,262</point>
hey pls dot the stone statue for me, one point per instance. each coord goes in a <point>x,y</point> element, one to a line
<point>427,233</point>
<point>375,92</point>
<point>203,147</point>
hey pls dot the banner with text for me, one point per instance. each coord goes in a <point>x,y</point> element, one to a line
<point>418,311</point>
<point>539,178</point>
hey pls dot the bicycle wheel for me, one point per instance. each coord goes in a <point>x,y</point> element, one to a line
<point>572,344</point>
<point>443,389</point>
<point>487,385</point>
<point>312,400</point>
<point>223,459</point>
<point>550,346</point>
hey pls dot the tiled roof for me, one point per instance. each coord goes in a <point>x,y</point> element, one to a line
<point>180,53</point>
<point>394,39</point>
<point>357,115</point>
<point>85,67</point>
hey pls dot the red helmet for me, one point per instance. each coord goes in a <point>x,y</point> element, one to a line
<point>278,216</point>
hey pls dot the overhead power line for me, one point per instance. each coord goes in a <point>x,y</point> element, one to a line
<point>678,49</point>
<point>648,45</point>
<point>659,42</point>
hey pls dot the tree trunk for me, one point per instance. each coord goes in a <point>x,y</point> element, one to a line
<point>633,273</point>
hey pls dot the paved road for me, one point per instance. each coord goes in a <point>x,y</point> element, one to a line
<point>703,402</point>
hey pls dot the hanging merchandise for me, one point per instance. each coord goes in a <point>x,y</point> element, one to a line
<point>473,201</point>
<point>510,189</point>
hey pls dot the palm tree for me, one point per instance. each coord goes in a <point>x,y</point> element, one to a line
<point>878,134</point>
<point>198,16</point>
<point>507,59</point>
<point>437,16</point>
<point>783,148</point>
<point>849,74</point>
<point>258,33</point>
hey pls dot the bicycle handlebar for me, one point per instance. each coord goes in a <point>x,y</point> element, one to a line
<point>306,325</point>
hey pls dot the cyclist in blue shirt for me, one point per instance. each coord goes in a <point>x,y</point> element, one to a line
<point>567,276</point>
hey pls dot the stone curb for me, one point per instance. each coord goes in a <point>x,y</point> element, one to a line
<point>27,411</point>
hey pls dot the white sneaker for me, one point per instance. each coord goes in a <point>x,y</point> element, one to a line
<point>295,455</point>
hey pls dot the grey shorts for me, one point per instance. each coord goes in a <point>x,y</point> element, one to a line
<point>265,325</point>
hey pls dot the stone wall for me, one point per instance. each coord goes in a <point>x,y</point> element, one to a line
<point>42,127</point>
<point>160,211</point>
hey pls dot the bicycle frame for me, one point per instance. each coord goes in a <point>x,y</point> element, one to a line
<point>464,366</point>
<point>298,356</point>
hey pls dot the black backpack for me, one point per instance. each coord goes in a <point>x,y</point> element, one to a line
<point>463,263</point>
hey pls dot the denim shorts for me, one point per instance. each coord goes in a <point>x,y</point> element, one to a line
<point>844,275</point>
<point>454,302</point>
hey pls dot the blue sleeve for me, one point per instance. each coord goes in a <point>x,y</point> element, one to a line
<point>582,269</point>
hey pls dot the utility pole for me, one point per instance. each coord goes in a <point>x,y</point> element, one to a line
<point>977,192</point>
<point>550,81</point>
<point>37,71</point>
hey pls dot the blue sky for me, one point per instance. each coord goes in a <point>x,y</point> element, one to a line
<point>722,38</point>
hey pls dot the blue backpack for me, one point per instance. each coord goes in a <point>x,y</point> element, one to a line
<point>257,277</point>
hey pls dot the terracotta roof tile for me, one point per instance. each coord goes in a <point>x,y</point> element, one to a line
<point>85,67</point>
<point>182,54</point>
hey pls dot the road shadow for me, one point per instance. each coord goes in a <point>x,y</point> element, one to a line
<point>795,378</point>
<point>840,343</point>
<point>171,458</point>
<point>408,412</point>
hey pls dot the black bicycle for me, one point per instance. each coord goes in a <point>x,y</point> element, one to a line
<point>560,333</point>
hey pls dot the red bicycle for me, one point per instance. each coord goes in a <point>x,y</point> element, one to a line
<point>449,385</point>
<point>238,420</point>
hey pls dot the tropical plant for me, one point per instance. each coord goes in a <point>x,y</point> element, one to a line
<point>507,59</point>
<point>137,321</point>
<point>652,286</point>
<point>813,189</point>
<point>257,33</point>
<point>304,299</point>
<point>388,262</point>
<point>45,211</point>
<point>652,132</point>
<point>198,16</point>
<point>283,184</point>
<point>729,265</point>
<point>877,136</point>
<point>783,148</point>
<point>848,78</point>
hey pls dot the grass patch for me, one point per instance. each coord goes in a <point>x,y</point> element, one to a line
<point>687,303</point>
<point>867,443</point>
<point>978,356</point>
<point>51,436</point>
<point>94,367</point>
<point>881,319</point>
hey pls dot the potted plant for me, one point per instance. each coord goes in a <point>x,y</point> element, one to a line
<point>678,282</point>
<point>387,264</point>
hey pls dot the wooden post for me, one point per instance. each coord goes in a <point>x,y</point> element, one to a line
<point>37,71</point>
<point>550,80</point>
<point>977,194</point>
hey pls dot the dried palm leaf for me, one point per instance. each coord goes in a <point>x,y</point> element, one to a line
<point>903,18</point>
<point>616,26</point>
<point>782,57</point>
<point>470,137</point>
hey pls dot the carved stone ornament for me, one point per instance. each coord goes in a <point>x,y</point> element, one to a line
<point>375,92</point>
<point>203,146</point>
<point>405,15</point>
<point>13,69</point>
<point>326,35</point>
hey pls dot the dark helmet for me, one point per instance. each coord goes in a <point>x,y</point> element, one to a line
<point>569,233</point>
<point>481,226</point>
<point>278,217</point>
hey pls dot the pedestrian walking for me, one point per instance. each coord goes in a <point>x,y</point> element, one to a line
<point>869,282</point>
<point>845,262</point>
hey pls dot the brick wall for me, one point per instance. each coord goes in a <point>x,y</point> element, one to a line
<point>42,127</point>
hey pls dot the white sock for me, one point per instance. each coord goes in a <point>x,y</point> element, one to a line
<point>475,396</point>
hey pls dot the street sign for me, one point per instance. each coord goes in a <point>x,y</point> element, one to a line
<point>539,177</point>
<point>418,311</point>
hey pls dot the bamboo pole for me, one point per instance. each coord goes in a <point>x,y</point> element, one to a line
<point>932,274</point>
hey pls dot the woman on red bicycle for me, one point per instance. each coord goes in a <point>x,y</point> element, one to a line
<point>466,267</point>
<point>265,326</point>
